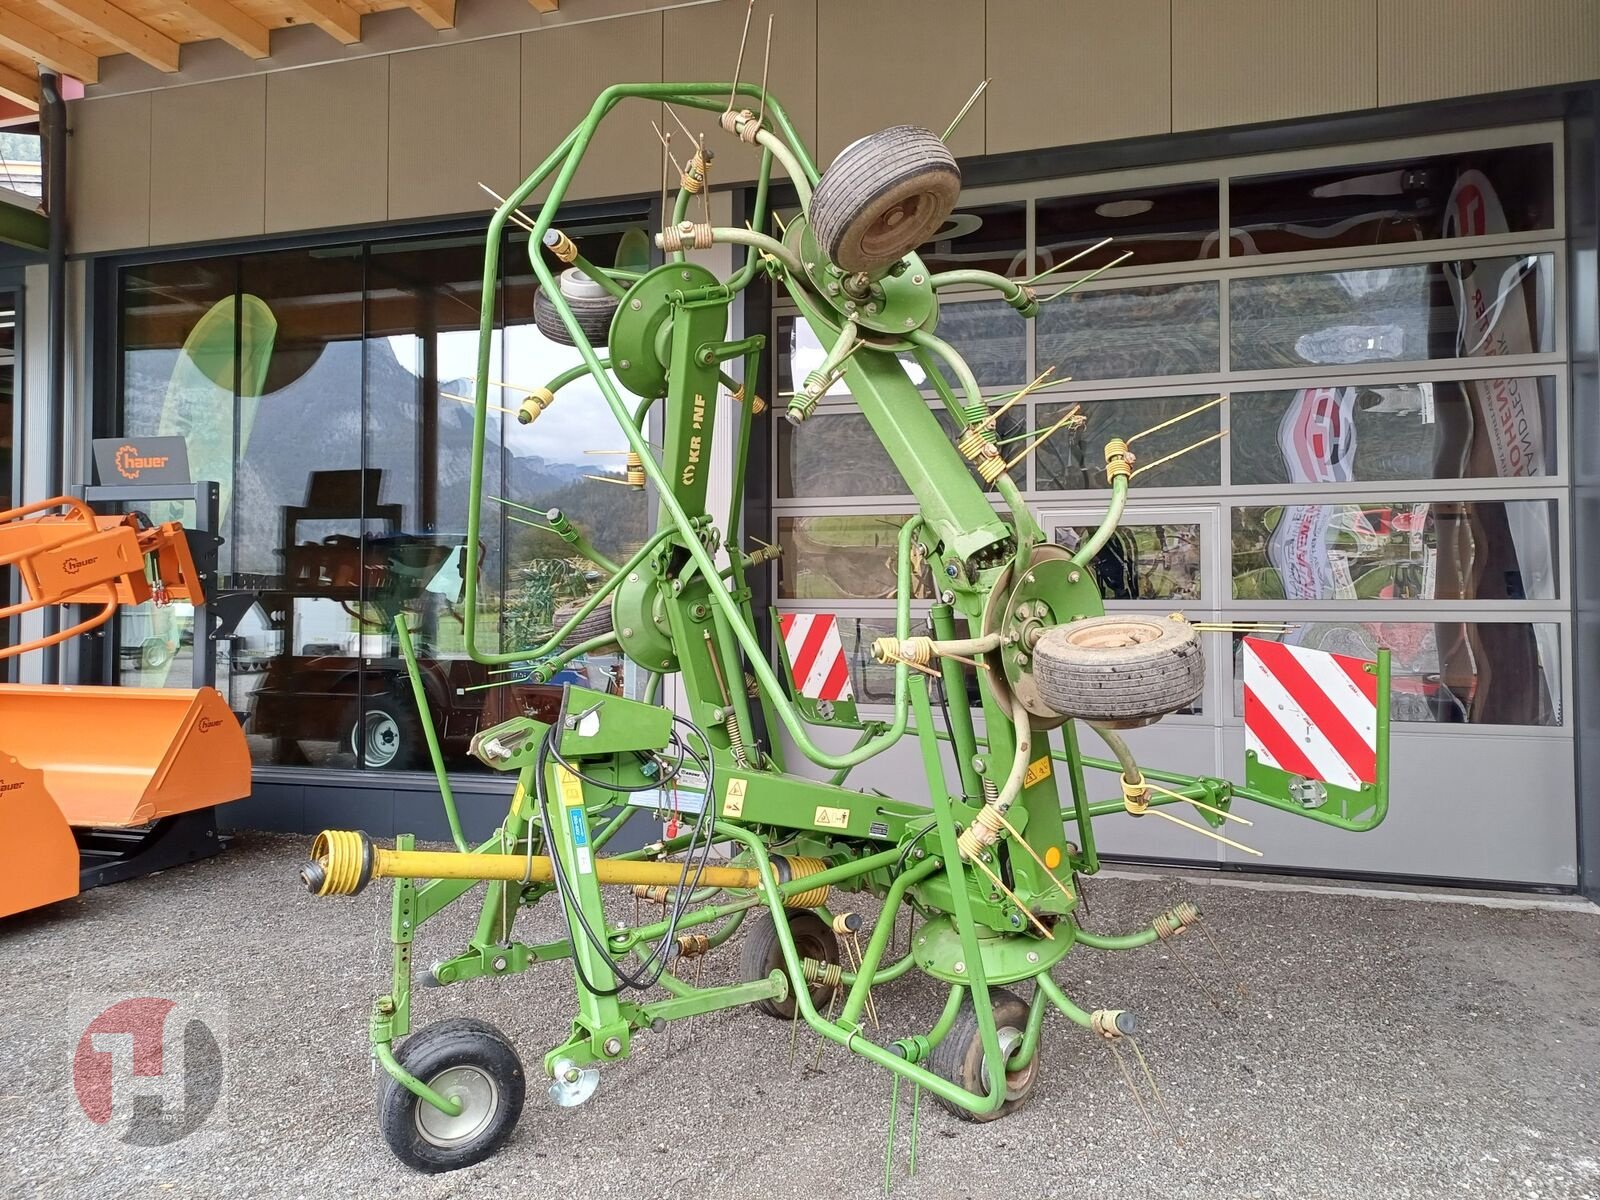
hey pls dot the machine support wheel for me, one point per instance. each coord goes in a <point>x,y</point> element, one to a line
<point>761,954</point>
<point>463,1060</point>
<point>883,196</point>
<point>386,735</point>
<point>591,304</point>
<point>1120,670</point>
<point>959,1058</point>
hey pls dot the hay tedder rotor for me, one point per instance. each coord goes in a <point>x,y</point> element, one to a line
<point>988,851</point>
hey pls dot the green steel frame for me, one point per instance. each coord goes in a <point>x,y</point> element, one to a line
<point>689,616</point>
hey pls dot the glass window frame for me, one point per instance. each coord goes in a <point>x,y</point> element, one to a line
<point>1226,495</point>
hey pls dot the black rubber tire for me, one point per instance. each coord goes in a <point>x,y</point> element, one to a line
<point>598,622</point>
<point>451,1045</point>
<point>761,954</point>
<point>883,196</point>
<point>1120,670</point>
<point>401,710</point>
<point>593,313</point>
<point>959,1058</point>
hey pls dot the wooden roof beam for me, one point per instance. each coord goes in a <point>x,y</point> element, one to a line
<point>42,46</point>
<point>240,30</point>
<point>24,89</point>
<point>441,14</point>
<point>106,20</point>
<point>546,6</point>
<point>334,17</point>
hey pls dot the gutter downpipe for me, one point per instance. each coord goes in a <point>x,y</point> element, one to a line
<point>53,118</point>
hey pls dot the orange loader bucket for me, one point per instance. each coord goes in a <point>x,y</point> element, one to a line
<point>38,854</point>
<point>119,756</point>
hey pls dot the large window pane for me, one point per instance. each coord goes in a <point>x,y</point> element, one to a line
<point>1143,561</point>
<point>874,681</point>
<point>1447,672</point>
<point>1176,223</point>
<point>1131,333</point>
<point>834,453</point>
<point>989,237</point>
<point>1467,429</point>
<point>1074,459</point>
<point>1399,550</point>
<point>8,424</point>
<point>181,339</point>
<point>180,345</point>
<point>843,557</point>
<point>993,338</point>
<point>1465,194</point>
<point>303,508</point>
<point>1440,310</point>
<point>797,353</point>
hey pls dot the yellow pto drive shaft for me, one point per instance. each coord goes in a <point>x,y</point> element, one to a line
<point>344,861</point>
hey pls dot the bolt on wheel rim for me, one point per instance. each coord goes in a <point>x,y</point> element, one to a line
<point>480,1101</point>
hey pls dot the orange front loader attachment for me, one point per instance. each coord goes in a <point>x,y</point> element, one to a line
<point>43,854</point>
<point>99,758</point>
<point>126,756</point>
<point>76,556</point>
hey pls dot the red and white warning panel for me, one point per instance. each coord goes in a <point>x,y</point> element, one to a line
<point>1311,713</point>
<point>816,656</point>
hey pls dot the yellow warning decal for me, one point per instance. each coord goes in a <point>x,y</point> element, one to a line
<point>571,788</point>
<point>831,818</point>
<point>733,798</point>
<point>1038,769</point>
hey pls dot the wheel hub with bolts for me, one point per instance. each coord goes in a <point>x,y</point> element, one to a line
<point>478,1097</point>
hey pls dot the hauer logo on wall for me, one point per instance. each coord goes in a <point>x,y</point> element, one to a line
<point>148,1069</point>
<point>141,461</point>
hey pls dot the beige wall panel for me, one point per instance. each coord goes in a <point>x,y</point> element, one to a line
<point>1071,71</point>
<point>108,173</point>
<point>702,42</point>
<point>328,146</point>
<point>453,120</point>
<point>563,70</point>
<point>207,161</point>
<point>1433,48</point>
<point>1235,62</point>
<point>897,62</point>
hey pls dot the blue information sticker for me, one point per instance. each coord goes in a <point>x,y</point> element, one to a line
<point>580,832</point>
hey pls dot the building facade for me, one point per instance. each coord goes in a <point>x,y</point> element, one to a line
<point>1370,228</point>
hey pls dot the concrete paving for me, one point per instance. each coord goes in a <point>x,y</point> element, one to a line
<point>1383,1048</point>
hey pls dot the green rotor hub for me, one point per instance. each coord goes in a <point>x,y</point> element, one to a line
<point>891,307</point>
<point>641,328</point>
<point>1052,591</point>
<point>1006,957</point>
<point>639,615</point>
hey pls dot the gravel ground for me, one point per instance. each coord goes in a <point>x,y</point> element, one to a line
<point>1385,1047</point>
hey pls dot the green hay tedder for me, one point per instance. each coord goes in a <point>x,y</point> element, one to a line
<point>988,850</point>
